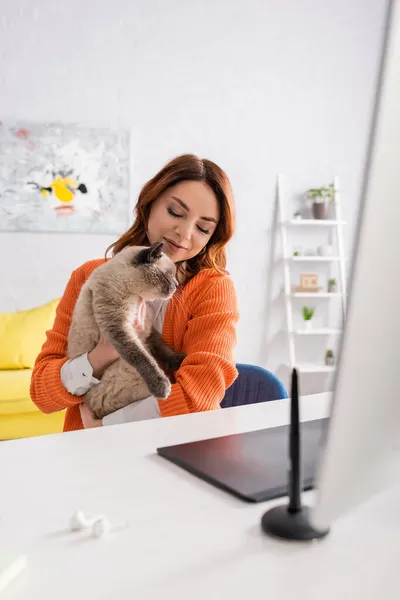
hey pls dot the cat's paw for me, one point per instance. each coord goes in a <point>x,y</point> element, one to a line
<point>175,360</point>
<point>160,387</point>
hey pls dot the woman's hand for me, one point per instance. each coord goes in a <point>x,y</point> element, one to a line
<point>88,419</point>
<point>102,356</point>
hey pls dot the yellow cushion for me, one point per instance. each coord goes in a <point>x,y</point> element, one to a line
<point>14,392</point>
<point>23,333</point>
<point>13,427</point>
<point>19,417</point>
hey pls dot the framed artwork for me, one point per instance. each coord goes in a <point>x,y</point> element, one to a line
<point>309,281</point>
<point>64,178</point>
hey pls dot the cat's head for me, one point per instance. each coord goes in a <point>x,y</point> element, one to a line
<point>151,272</point>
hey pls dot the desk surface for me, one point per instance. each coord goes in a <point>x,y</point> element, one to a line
<point>185,538</point>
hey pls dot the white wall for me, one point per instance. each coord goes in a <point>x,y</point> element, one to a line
<point>259,86</point>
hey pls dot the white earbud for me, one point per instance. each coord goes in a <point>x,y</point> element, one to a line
<point>100,525</point>
<point>78,521</point>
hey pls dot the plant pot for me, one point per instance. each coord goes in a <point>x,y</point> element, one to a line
<point>308,325</point>
<point>329,361</point>
<point>332,288</point>
<point>320,210</point>
<point>325,250</point>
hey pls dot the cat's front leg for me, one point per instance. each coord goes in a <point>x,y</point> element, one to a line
<point>159,385</point>
<point>113,320</point>
<point>162,352</point>
<point>132,351</point>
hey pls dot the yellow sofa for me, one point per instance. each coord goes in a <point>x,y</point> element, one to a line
<point>22,335</point>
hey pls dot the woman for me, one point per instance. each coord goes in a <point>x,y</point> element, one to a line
<point>189,206</point>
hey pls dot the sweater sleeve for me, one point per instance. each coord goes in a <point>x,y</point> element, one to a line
<point>47,390</point>
<point>209,342</point>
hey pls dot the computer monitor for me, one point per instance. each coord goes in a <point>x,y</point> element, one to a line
<point>361,453</point>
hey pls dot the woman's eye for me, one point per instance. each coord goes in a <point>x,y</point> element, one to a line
<point>178,216</point>
<point>173,214</point>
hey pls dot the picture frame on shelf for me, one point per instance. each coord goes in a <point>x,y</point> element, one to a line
<point>308,283</point>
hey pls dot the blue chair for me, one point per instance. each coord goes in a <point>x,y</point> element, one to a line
<point>253,385</point>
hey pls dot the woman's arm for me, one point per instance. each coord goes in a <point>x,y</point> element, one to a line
<point>209,367</point>
<point>51,378</point>
<point>54,374</point>
<point>47,390</point>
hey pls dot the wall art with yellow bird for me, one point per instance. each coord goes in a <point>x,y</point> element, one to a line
<point>63,178</point>
<point>64,188</point>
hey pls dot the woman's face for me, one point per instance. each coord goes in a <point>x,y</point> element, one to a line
<point>184,218</point>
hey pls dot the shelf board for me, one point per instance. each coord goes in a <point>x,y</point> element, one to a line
<point>313,258</point>
<point>314,368</point>
<point>315,222</point>
<point>316,331</point>
<point>316,295</point>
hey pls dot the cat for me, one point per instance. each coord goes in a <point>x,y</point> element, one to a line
<point>107,304</point>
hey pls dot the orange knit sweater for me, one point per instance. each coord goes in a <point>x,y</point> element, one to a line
<point>200,320</point>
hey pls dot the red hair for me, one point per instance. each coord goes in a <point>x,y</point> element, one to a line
<point>186,168</point>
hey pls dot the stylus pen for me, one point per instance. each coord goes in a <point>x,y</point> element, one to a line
<point>294,448</point>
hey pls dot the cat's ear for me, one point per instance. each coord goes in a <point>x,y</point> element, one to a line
<point>150,254</point>
<point>155,251</point>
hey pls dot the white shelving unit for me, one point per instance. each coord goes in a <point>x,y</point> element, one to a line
<point>314,222</point>
<point>321,331</point>
<point>313,258</point>
<point>335,225</point>
<point>313,368</point>
<point>316,295</point>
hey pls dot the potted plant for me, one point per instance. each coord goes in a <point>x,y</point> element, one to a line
<point>325,250</point>
<point>329,358</point>
<point>308,313</point>
<point>332,287</point>
<point>321,198</point>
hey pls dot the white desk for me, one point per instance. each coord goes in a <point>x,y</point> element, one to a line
<point>186,539</point>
